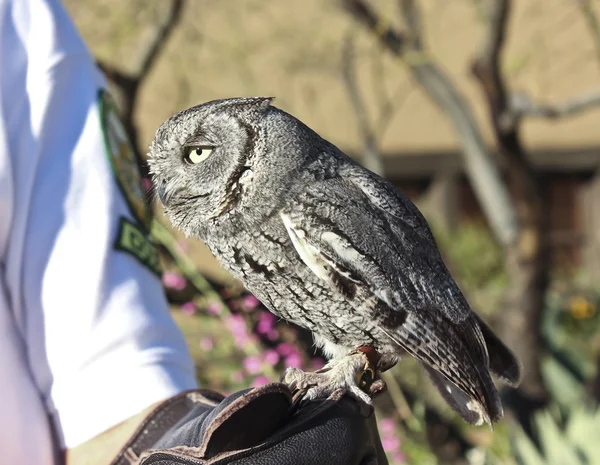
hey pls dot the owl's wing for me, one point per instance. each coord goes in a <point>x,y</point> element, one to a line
<point>408,229</point>
<point>372,245</point>
<point>399,209</point>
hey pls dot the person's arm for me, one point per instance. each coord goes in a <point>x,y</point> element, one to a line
<point>101,344</point>
<point>102,449</point>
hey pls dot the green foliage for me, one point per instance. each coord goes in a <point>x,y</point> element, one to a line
<point>570,323</point>
<point>477,263</point>
<point>573,441</point>
<point>474,255</point>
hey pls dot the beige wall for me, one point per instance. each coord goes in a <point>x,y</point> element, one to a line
<point>291,49</point>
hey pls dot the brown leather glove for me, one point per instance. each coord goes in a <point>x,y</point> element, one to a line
<point>260,426</point>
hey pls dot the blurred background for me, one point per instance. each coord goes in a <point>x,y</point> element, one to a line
<point>486,113</point>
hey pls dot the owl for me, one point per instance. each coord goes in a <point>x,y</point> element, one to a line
<point>328,245</point>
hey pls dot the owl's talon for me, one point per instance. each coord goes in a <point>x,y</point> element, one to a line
<point>366,379</point>
<point>352,375</point>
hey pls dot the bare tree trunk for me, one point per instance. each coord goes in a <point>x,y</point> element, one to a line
<point>529,259</point>
<point>483,173</point>
<point>127,83</point>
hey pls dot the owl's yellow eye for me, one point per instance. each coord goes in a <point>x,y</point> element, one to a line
<point>195,155</point>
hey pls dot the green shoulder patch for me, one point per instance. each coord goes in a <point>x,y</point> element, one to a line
<point>123,161</point>
<point>134,241</point>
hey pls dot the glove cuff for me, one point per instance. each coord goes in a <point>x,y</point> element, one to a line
<point>161,420</point>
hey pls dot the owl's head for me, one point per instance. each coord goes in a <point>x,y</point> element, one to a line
<point>201,157</point>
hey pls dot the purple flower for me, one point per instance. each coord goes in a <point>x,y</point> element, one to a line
<point>214,308</point>
<point>260,381</point>
<point>253,365</point>
<point>293,360</point>
<point>189,308</point>
<point>271,357</point>
<point>173,280</point>
<point>206,344</point>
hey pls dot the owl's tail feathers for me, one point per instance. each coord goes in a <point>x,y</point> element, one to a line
<point>503,362</point>
<point>472,410</point>
<point>456,359</point>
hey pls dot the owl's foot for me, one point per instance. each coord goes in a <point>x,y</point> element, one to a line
<point>354,374</point>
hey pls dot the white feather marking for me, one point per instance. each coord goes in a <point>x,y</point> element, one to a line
<point>475,406</point>
<point>330,349</point>
<point>309,254</point>
<point>344,250</point>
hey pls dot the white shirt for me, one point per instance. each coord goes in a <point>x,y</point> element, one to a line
<point>86,339</point>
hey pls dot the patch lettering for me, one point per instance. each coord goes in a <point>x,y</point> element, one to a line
<point>132,240</point>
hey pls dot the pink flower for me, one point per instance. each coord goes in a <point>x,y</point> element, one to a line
<point>293,360</point>
<point>266,322</point>
<point>225,293</point>
<point>206,344</point>
<point>189,308</point>
<point>272,335</point>
<point>285,349</point>
<point>250,303</point>
<point>387,425</point>
<point>237,376</point>
<point>271,357</point>
<point>146,184</point>
<point>253,365</point>
<point>173,280</point>
<point>214,308</point>
<point>390,443</point>
<point>398,457</point>
<point>317,363</point>
<point>260,381</point>
<point>236,324</point>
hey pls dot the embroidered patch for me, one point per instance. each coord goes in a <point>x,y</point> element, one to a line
<point>134,241</point>
<point>123,161</point>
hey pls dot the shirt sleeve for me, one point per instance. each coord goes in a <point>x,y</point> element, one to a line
<point>100,341</point>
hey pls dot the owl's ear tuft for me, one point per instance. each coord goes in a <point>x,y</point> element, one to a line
<point>251,108</point>
<point>261,103</point>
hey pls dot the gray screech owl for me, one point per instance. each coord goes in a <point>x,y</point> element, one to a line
<point>328,245</point>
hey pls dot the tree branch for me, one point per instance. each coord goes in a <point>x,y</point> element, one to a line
<point>592,21</point>
<point>486,66</point>
<point>153,45</point>
<point>528,261</point>
<point>385,33</point>
<point>481,169</point>
<point>522,105</point>
<point>126,84</point>
<point>371,156</point>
